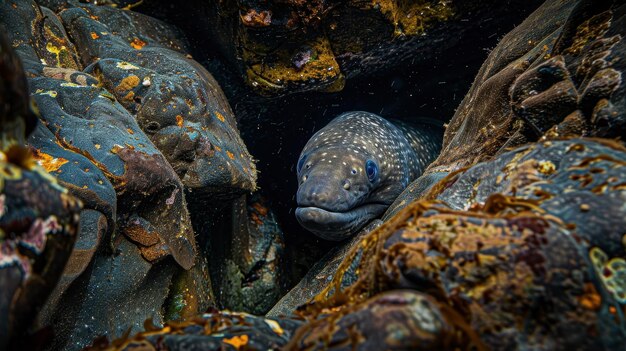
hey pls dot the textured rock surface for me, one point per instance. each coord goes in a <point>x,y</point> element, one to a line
<point>398,320</point>
<point>212,331</point>
<point>38,217</point>
<point>248,251</point>
<point>176,102</point>
<point>523,255</point>
<point>100,94</point>
<point>547,78</point>
<point>323,42</point>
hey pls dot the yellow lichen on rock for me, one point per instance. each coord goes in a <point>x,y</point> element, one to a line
<point>48,162</point>
<point>411,17</point>
<point>281,74</point>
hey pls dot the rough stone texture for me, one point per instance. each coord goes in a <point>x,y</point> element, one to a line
<point>175,100</point>
<point>251,267</point>
<point>322,42</point>
<point>92,140</point>
<point>38,217</point>
<point>517,245</point>
<point>37,231</point>
<point>397,320</point>
<point>558,74</point>
<point>212,332</point>
<point>86,120</point>
<point>549,78</point>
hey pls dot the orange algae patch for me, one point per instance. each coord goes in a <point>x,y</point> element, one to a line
<point>49,163</point>
<point>590,300</point>
<point>94,35</point>
<point>128,83</point>
<point>137,44</point>
<point>179,120</point>
<point>230,155</point>
<point>237,341</point>
<point>219,116</point>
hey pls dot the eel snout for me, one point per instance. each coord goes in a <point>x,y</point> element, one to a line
<point>337,226</point>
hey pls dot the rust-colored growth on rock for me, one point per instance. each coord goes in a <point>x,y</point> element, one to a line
<point>229,330</point>
<point>284,74</point>
<point>237,341</point>
<point>252,18</point>
<point>590,30</point>
<point>413,17</point>
<point>258,213</point>
<point>128,83</point>
<point>590,299</point>
<point>490,254</point>
<point>219,116</point>
<point>140,235</point>
<point>49,163</point>
<point>137,44</point>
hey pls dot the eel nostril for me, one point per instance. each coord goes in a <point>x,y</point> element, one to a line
<point>346,184</point>
<point>304,178</point>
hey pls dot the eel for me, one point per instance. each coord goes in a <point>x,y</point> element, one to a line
<point>352,169</point>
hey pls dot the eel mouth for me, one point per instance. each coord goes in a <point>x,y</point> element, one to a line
<point>337,226</point>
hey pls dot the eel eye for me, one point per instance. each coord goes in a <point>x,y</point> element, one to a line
<point>301,163</point>
<point>371,168</point>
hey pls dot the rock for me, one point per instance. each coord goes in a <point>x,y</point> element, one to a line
<point>547,79</point>
<point>514,245</point>
<point>70,101</point>
<point>252,266</point>
<point>175,100</point>
<point>136,213</point>
<point>564,66</point>
<point>59,5</point>
<point>38,217</point>
<point>211,331</point>
<point>284,47</point>
<point>117,293</point>
<point>316,279</point>
<point>38,229</point>
<point>401,320</point>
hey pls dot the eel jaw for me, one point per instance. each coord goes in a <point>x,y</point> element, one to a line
<point>337,226</point>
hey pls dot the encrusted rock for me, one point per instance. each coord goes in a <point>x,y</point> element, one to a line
<point>38,217</point>
<point>514,245</point>
<point>251,266</point>
<point>135,214</point>
<point>175,100</point>
<point>284,47</point>
<point>212,332</point>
